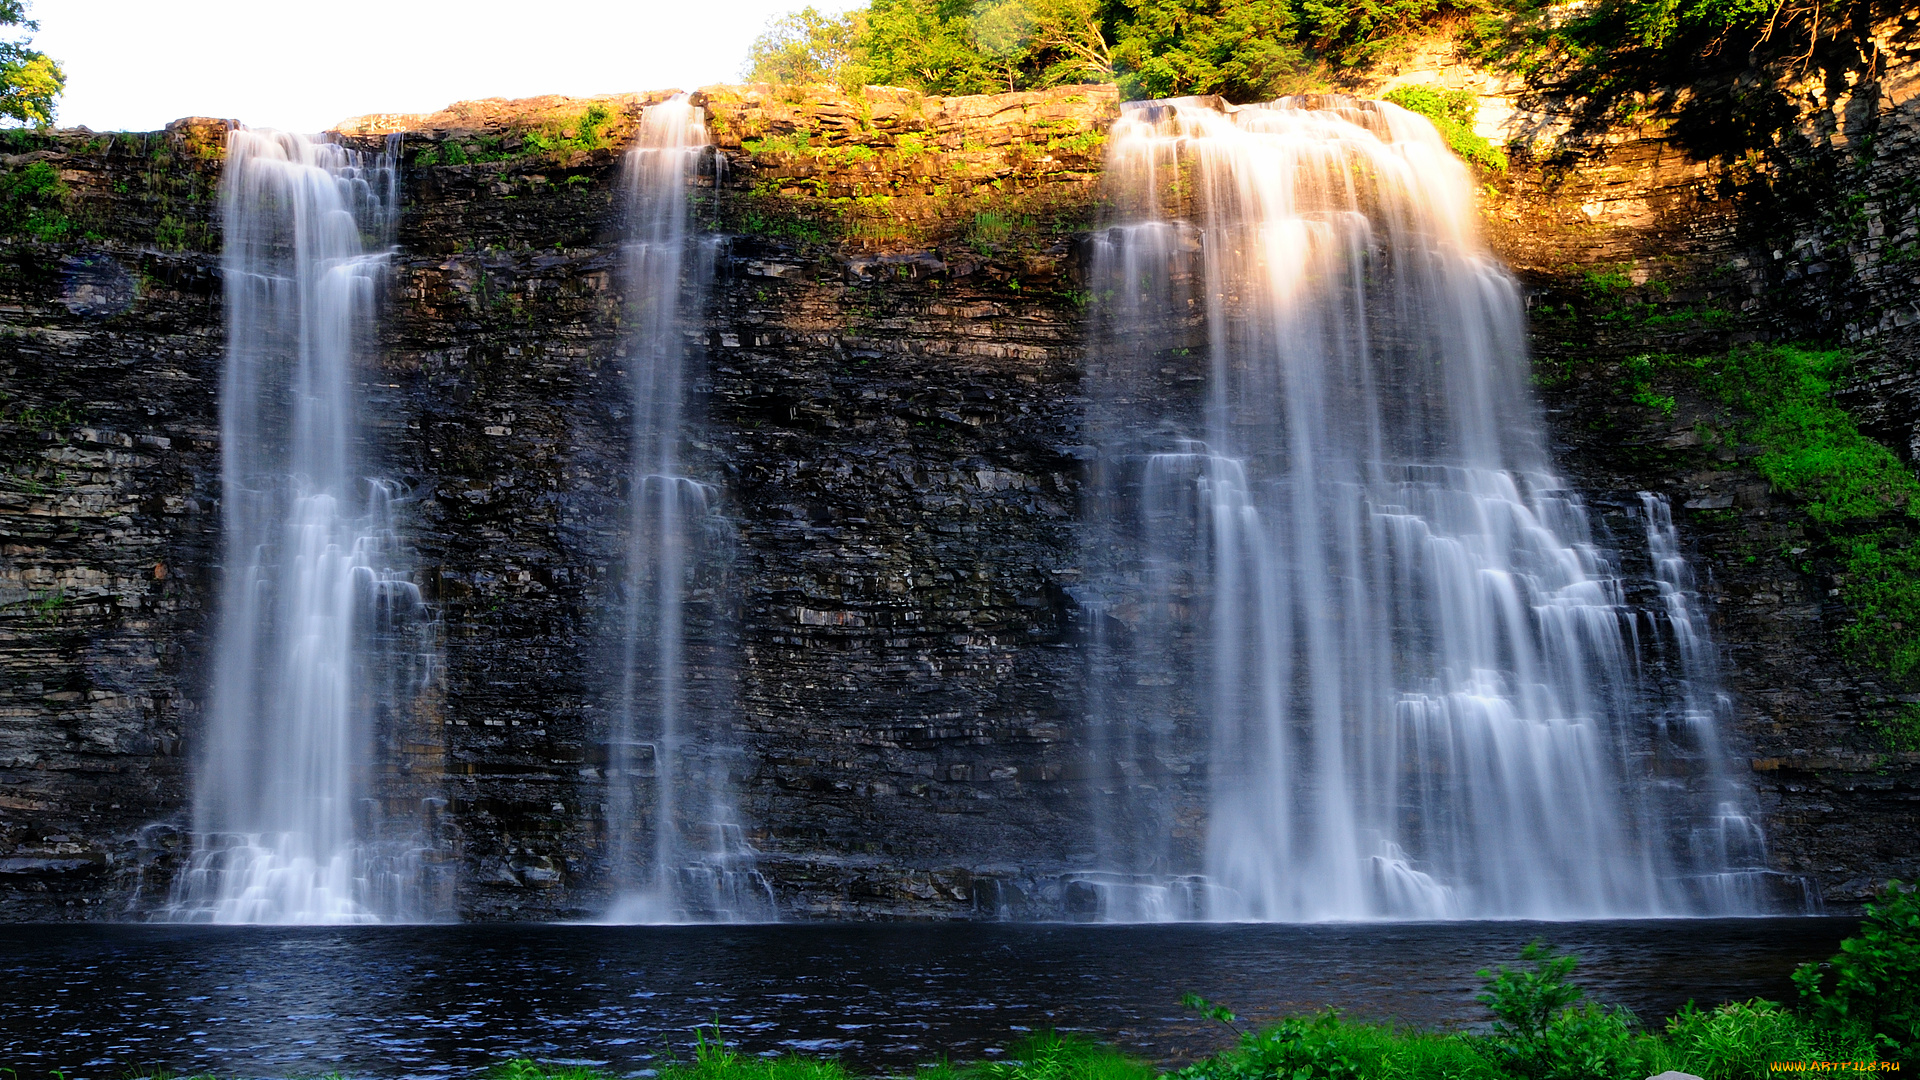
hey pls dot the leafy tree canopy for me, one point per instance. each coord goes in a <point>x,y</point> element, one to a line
<point>1613,55</point>
<point>1245,50</point>
<point>29,81</point>
<point>806,47</point>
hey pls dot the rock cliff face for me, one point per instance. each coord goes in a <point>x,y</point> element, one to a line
<point>891,403</point>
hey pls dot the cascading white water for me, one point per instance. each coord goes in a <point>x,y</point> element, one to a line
<point>1724,842</point>
<point>1356,653</point>
<point>317,645</point>
<point>678,852</point>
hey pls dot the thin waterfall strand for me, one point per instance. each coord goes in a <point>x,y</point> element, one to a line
<point>678,851</point>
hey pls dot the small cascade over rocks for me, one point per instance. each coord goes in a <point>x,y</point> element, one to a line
<point>323,643</point>
<point>678,851</point>
<point>1355,651</point>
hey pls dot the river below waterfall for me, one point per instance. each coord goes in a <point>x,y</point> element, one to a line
<point>113,1001</point>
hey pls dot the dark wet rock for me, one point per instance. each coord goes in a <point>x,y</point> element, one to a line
<point>893,417</point>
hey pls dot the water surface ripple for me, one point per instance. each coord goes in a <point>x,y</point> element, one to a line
<point>98,1001</point>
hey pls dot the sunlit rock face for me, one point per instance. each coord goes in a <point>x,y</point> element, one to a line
<point>895,398</point>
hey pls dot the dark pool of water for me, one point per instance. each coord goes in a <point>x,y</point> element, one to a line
<point>99,1001</point>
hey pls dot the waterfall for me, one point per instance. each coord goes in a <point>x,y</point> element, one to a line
<point>320,647</point>
<point>1355,651</point>
<point>678,851</point>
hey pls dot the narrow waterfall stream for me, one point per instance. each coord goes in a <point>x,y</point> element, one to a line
<point>1356,653</point>
<point>321,643</point>
<point>677,848</point>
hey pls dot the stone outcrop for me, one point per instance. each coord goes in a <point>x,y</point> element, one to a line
<point>891,406</point>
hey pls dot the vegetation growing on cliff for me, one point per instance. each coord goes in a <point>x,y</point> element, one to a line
<point>556,137</point>
<point>1863,498</point>
<point>32,202</point>
<point>1451,112</point>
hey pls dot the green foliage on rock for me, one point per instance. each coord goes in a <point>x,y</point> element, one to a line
<point>584,132</point>
<point>1861,495</point>
<point>1811,447</point>
<point>1873,983</point>
<point>1452,114</point>
<point>32,202</point>
<point>30,81</point>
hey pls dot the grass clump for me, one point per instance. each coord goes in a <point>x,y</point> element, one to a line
<point>1452,114</point>
<point>1326,1046</point>
<point>713,1059</point>
<point>1049,1055</point>
<point>1742,1039</point>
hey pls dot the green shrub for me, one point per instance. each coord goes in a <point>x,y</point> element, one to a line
<point>32,202</point>
<point>1873,982</point>
<point>1452,113</point>
<point>1542,1031</point>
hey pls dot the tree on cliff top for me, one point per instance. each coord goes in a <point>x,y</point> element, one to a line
<point>807,47</point>
<point>29,80</point>
<point>1245,50</point>
<point>969,47</point>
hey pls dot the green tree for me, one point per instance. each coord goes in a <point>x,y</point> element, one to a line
<point>1244,50</point>
<point>1873,982</point>
<point>808,47</point>
<point>927,45</point>
<point>1003,32</point>
<point>1351,32</point>
<point>30,82</point>
<point>1073,36</point>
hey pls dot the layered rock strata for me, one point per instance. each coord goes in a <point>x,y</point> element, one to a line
<point>892,400</point>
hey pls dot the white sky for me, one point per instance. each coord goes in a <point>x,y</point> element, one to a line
<point>133,65</point>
